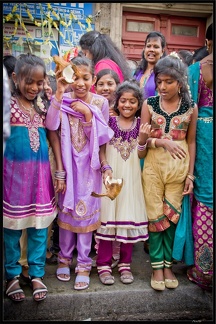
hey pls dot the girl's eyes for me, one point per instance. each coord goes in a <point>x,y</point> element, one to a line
<point>167,81</point>
<point>132,102</point>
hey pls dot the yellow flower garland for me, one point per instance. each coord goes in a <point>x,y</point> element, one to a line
<point>44,23</point>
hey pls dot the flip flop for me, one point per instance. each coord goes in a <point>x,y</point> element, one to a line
<point>81,279</point>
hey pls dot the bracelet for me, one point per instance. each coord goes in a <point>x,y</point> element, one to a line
<point>104,161</point>
<point>191,176</point>
<point>153,143</point>
<point>141,147</point>
<point>106,167</point>
<point>60,175</point>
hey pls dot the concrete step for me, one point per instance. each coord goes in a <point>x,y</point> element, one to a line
<point>118,302</point>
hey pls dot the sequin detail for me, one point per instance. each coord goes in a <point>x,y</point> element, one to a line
<point>171,126</point>
<point>81,208</point>
<point>78,137</point>
<point>19,117</point>
<point>124,140</point>
<point>33,131</point>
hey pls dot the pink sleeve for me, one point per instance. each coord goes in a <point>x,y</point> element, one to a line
<point>109,64</point>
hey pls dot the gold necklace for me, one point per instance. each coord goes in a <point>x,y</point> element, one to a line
<point>28,110</point>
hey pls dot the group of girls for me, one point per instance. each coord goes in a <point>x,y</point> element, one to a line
<point>97,136</point>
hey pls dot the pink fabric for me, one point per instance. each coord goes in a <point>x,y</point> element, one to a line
<point>109,64</point>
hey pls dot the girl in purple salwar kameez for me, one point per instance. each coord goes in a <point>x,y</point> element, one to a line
<point>82,117</point>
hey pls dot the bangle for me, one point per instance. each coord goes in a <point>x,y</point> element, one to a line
<point>153,143</point>
<point>103,161</point>
<point>106,167</point>
<point>141,147</point>
<point>191,176</point>
<point>60,175</point>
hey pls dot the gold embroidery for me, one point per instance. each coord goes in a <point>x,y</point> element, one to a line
<point>78,137</point>
<point>206,119</point>
<point>81,208</point>
<point>124,147</point>
<point>97,102</point>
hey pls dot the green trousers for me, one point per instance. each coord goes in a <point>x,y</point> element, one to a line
<point>161,246</point>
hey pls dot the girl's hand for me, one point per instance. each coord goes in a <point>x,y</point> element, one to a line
<point>188,187</point>
<point>60,186</point>
<point>174,149</point>
<point>112,112</point>
<point>82,108</point>
<point>145,129</point>
<point>106,174</point>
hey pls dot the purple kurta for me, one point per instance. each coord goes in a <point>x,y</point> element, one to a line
<point>80,142</point>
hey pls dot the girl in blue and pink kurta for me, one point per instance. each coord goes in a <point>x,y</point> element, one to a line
<point>82,118</point>
<point>28,193</point>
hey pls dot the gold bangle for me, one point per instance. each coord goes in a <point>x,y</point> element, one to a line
<point>191,177</point>
<point>153,143</point>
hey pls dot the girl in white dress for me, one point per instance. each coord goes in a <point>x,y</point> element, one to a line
<point>123,219</point>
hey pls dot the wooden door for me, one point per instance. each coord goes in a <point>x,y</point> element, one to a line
<point>180,32</point>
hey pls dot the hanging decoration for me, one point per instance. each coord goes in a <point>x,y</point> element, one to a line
<point>46,22</point>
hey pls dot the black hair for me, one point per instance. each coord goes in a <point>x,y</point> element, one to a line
<point>103,72</point>
<point>24,65</point>
<point>9,62</point>
<point>101,46</point>
<point>174,67</point>
<point>129,86</point>
<point>200,53</point>
<point>53,86</point>
<point>53,83</point>
<point>186,56</point>
<point>209,32</point>
<point>143,63</point>
<point>83,60</point>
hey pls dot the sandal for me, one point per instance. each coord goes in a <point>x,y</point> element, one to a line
<point>106,278</point>
<point>13,294</point>
<point>126,277</point>
<point>80,279</point>
<point>63,271</point>
<point>125,273</point>
<point>41,289</point>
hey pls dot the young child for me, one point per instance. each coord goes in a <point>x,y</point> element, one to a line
<point>169,162</point>
<point>124,219</point>
<point>28,193</point>
<point>84,133</point>
<point>53,230</point>
<point>105,85</point>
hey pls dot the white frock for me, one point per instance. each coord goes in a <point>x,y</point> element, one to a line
<point>124,219</point>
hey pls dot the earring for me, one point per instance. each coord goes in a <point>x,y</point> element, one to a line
<point>16,86</point>
<point>179,91</point>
